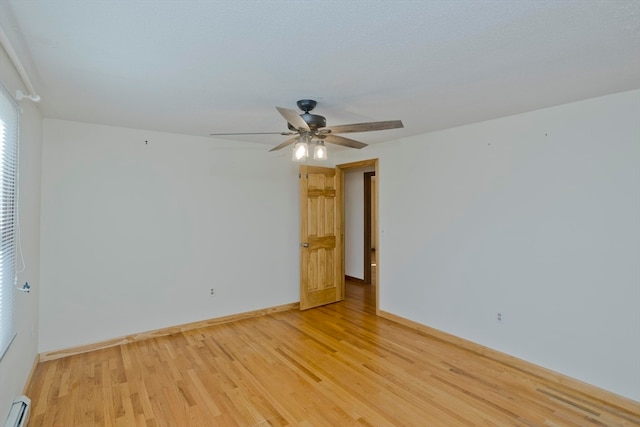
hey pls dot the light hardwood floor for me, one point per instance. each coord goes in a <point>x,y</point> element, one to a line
<point>337,365</point>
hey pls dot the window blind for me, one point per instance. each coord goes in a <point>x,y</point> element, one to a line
<point>9,126</point>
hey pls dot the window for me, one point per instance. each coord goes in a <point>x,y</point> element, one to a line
<point>9,125</point>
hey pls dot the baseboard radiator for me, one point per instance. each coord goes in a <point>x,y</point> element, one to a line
<point>19,412</point>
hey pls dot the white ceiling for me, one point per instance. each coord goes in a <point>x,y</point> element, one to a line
<point>196,67</point>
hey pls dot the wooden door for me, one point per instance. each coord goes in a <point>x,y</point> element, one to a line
<point>321,236</point>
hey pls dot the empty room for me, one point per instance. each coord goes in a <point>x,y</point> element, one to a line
<point>319,213</point>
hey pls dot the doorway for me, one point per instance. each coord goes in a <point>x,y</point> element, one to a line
<point>368,258</point>
<point>369,248</point>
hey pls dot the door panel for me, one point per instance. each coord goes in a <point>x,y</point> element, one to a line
<point>321,276</point>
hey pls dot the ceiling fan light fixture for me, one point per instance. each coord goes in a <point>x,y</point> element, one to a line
<point>300,151</point>
<point>320,151</point>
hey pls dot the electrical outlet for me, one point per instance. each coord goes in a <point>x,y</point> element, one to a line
<point>499,318</point>
<point>212,292</point>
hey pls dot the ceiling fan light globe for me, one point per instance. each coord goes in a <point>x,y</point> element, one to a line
<point>320,151</point>
<point>300,151</point>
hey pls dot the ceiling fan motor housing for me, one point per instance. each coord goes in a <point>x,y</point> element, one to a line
<point>314,121</point>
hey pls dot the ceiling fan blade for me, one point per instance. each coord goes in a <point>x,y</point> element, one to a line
<point>252,133</point>
<point>284,144</point>
<point>341,140</point>
<point>365,127</point>
<point>292,117</point>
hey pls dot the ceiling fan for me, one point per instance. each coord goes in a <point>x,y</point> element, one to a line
<point>309,127</point>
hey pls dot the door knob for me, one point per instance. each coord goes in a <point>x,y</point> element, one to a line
<point>305,245</point>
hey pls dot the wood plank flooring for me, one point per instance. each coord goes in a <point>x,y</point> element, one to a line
<point>337,365</point>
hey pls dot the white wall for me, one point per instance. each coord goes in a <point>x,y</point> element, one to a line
<point>535,216</point>
<point>17,362</point>
<point>134,234</point>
